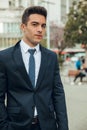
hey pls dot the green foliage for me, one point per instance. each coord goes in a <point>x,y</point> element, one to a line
<point>76,26</point>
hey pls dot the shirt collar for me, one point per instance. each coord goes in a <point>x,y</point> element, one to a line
<point>25,47</point>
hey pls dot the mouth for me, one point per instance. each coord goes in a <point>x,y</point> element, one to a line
<point>39,36</point>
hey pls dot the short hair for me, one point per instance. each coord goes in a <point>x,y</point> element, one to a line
<point>33,10</point>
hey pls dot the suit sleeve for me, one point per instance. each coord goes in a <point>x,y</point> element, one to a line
<point>59,100</point>
<point>3,85</point>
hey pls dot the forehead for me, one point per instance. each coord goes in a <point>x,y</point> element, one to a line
<point>37,18</point>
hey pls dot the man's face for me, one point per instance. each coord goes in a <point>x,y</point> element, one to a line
<point>34,30</point>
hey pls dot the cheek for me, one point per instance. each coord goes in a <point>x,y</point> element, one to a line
<point>31,31</point>
<point>44,32</point>
<point>28,32</point>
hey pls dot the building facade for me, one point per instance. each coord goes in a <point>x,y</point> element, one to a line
<point>63,7</point>
<point>11,11</point>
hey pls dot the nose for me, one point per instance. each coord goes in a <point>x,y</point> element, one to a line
<point>40,28</point>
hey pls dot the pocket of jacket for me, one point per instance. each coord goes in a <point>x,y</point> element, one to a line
<point>51,111</point>
<point>51,108</point>
<point>13,110</point>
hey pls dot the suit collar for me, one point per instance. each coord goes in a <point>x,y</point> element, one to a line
<point>25,47</point>
<point>42,67</point>
<point>17,56</point>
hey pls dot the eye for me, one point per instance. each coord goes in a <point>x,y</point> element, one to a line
<point>44,26</point>
<point>34,24</point>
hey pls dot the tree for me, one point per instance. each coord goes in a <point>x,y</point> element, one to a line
<point>76,26</point>
<point>56,35</point>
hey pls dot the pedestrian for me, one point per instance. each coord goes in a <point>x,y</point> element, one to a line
<point>80,75</point>
<point>29,76</point>
<point>82,70</point>
<point>78,64</point>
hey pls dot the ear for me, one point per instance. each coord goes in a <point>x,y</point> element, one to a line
<point>22,26</point>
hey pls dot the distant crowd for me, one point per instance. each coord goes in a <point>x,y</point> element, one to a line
<point>82,69</point>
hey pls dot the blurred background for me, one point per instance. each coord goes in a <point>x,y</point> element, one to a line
<point>66,35</point>
<point>66,25</point>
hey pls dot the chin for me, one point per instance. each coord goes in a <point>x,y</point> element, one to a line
<point>35,43</point>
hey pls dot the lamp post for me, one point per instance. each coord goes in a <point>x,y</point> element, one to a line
<point>48,23</point>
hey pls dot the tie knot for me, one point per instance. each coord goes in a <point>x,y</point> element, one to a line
<point>32,51</point>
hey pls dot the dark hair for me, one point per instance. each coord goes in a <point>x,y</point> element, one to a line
<point>33,10</point>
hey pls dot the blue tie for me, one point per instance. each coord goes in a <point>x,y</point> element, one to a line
<point>32,66</point>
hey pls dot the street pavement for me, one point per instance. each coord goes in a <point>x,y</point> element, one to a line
<point>76,101</point>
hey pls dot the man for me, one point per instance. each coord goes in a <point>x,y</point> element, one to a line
<point>35,100</point>
<point>78,64</point>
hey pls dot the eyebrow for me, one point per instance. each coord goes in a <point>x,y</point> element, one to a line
<point>38,23</point>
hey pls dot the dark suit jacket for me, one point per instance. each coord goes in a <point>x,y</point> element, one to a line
<point>48,96</point>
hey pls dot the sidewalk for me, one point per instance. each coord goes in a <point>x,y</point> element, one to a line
<point>76,101</point>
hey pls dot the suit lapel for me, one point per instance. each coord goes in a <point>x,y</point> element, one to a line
<point>42,67</point>
<point>17,56</point>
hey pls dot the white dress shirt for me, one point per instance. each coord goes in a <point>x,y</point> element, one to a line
<point>25,55</point>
